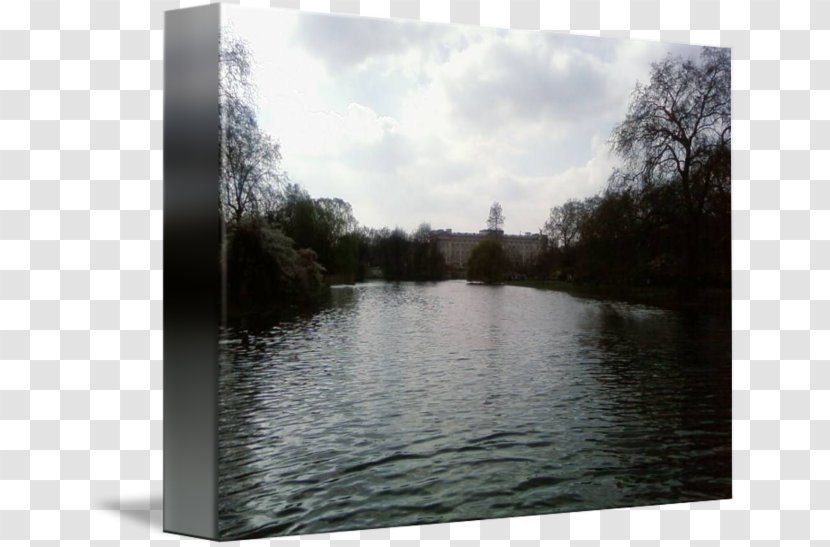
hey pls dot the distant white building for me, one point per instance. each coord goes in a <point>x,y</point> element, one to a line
<point>456,247</point>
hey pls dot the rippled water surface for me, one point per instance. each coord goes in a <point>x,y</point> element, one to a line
<point>414,403</point>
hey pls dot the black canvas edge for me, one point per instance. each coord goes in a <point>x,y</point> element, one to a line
<point>192,280</point>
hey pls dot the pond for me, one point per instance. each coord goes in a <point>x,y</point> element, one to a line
<point>408,403</point>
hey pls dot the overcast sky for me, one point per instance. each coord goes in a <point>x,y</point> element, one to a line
<point>417,122</point>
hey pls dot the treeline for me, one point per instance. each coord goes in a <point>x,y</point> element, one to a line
<point>349,253</point>
<point>291,253</point>
<point>664,217</point>
<point>282,247</point>
<point>400,256</point>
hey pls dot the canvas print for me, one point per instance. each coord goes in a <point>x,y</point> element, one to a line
<point>467,273</point>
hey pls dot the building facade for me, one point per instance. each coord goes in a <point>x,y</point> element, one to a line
<point>457,247</point>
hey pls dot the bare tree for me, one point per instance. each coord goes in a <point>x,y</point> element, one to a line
<point>677,132</point>
<point>250,158</point>
<point>496,219</point>
<point>677,121</point>
<point>423,233</point>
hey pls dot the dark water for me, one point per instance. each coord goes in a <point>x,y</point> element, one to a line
<point>415,403</point>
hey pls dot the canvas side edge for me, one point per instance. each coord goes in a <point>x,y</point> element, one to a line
<point>192,283</point>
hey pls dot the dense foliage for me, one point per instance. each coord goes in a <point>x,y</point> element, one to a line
<point>264,268</point>
<point>664,218</point>
<point>488,262</point>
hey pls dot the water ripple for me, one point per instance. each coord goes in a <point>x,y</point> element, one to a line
<point>414,403</point>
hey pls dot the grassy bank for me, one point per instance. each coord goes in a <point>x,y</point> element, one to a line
<point>708,300</point>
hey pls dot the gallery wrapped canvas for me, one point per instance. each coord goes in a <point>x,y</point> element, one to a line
<point>420,273</point>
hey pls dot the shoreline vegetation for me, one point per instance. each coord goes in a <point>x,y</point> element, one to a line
<point>659,233</point>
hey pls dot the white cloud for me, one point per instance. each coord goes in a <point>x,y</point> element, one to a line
<point>418,122</point>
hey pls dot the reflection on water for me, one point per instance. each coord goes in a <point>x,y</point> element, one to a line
<point>415,403</point>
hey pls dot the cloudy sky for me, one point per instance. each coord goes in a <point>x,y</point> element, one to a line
<point>414,122</point>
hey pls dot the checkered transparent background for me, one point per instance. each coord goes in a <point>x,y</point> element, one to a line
<point>81,259</point>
